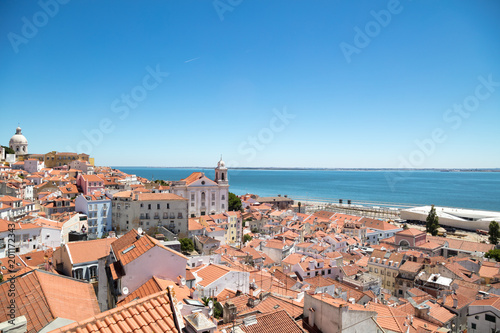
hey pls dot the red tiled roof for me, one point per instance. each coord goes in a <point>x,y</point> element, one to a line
<point>149,314</point>
<point>159,197</point>
<point>86,251</point>
<point>43,297</point>
<point>211,273</point>
<point>129,247</point>
<point>274,322</point>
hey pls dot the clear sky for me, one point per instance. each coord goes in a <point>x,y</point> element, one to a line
<point>263,82</point>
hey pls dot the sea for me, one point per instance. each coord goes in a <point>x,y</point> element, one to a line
<point>380,188</point>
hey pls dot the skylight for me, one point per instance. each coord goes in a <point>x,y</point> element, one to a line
<point>128,249</point>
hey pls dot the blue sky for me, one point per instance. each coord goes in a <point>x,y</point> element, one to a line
<point>265,83</point>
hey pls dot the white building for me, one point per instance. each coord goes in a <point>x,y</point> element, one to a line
<point>97,207</point>
<point>84,166</point>
<point>19,143</point>
<point>27,237</point>
<point>484,315</point>
<point>147,210</point>
<point>33,165</point>
<point>468,219</point>
<point>206,196</point>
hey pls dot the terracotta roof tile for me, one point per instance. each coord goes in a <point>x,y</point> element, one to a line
<point>86,251</point>
<point>129,247</point>
<point>43,297</point>
<point>149,314</point>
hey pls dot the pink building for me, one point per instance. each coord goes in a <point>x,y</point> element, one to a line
<point>90,184</point>
<point>137,258</point>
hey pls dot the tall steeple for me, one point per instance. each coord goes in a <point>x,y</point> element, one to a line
<point>221,173</point>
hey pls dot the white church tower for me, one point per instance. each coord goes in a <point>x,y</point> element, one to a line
<point>221,173</point>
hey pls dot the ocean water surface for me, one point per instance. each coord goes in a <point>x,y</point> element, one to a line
<point>476,190</point>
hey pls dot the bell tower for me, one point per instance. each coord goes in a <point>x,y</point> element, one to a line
<point>221,173</point>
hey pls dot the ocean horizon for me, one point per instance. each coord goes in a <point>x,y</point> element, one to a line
<point>461,188</point>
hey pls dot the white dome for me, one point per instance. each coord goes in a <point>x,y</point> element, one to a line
<point>18,138</point>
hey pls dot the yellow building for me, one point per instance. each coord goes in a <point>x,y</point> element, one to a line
<point>386,266</point>
<point>55,159</point>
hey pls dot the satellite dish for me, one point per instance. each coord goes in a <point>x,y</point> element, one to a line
<point>125,291</point>
<point>183,282</point>
<point>211,304</point>
<point>139,230</point>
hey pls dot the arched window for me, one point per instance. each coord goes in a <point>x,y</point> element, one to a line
<point>222,176</point>
<point>202,196</point>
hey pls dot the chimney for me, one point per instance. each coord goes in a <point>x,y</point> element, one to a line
<point>455,302</point>
<point>18,324</point>
<point>444,298</point>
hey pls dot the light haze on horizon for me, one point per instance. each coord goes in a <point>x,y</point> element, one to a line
<point>324,84</point>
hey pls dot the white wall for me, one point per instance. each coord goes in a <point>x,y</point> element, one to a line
<point>155,262</point>
<point>233,280</point>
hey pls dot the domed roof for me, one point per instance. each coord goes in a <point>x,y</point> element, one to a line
<point>221,163</point>
<point>18,138</point>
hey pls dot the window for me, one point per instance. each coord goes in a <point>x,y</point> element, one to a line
<point>490,318</point>
<point>213,196</point>
<point>473,326</point>
<point>329,271</point>
<point>192,196</point>
<point>168,206</point>
<point>223,197</point>
<point>165,215</point>
<point>93,272</point>
<point>149,206</point>
<point>142,205</point>
<point>78,273</point>
<point>222,206</point>
<point>376,270</point>
<point>157,206</point>
<point>370,269</point>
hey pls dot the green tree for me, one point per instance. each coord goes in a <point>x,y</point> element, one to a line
<point>299,204</point>
<point>432,222</point>
<point>247,238</point>
<point>234,202</point>
<point>494,232</point>
<point>405,226</point>
<point>493,254</point>
<point>218,309</point>
<point>187,245</point>
<point>9,150</point>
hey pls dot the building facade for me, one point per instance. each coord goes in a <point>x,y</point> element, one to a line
<point>147,210</point>
<point>98,211</point>
<point>205,196</point>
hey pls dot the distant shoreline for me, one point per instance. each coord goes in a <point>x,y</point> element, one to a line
<point>319,169</point>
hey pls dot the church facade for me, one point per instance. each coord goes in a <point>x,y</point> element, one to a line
<point>205,196</point>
